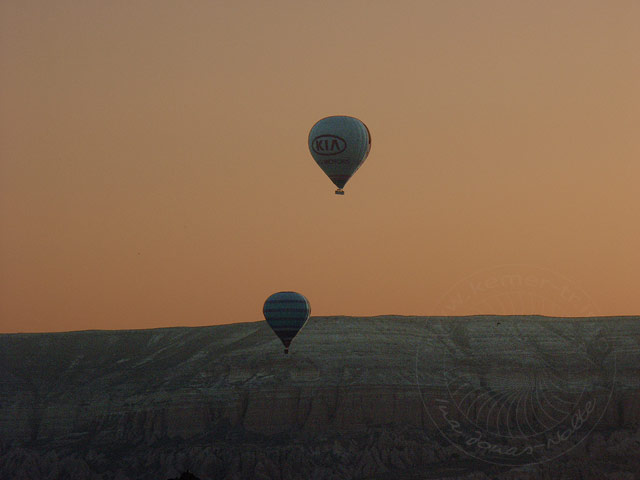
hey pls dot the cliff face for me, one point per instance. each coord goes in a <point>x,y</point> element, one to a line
<point>382,397</point>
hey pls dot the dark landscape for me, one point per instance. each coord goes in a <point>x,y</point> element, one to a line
<point>388,397</point>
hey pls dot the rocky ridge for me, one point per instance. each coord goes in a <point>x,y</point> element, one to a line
<point>380,397</point>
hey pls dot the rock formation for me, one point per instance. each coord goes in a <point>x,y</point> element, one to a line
<point>382,397</point>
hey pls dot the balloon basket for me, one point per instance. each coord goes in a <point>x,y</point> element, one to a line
<point>286,350</point>
<point>339,191</point>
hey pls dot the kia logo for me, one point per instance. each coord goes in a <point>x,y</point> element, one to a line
<point>328,145</point>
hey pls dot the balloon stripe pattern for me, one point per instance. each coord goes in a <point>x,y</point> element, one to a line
<point>286,313</point>
<point>339,145</point>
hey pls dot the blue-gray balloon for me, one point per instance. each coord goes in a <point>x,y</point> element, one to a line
<point>339,145</point>
<point>286,313</point>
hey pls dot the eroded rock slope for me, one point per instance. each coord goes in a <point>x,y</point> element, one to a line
<point>380,397</point>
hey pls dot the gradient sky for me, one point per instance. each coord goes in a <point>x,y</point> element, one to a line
<point>154,168</point>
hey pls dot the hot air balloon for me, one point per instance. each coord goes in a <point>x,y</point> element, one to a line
<point>286,313</point>
<point>339,145</point>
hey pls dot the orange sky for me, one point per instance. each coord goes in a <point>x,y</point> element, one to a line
<point>154,168</point>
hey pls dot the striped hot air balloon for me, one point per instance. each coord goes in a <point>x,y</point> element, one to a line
<point>286,313</point>
<point>339,145</point>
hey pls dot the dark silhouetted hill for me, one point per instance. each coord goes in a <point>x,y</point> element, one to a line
<point>381,397</point>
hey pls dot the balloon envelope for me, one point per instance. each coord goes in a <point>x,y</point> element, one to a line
<point>286,313</point>
<point>339,145</point>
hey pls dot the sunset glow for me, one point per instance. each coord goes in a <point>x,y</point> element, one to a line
<point>154,167</point>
